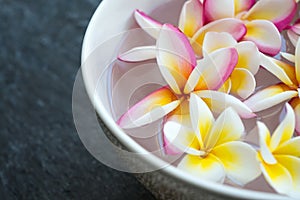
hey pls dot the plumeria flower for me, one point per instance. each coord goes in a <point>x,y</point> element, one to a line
<point>191,23</point>
<point>241,81</point>
<point>259,18</point>
<point>279,155</point>
<point>249,10</point>
<point>213,147</point>
<point>289,89</point>
<point>178,66</point>
<point>230,16</point>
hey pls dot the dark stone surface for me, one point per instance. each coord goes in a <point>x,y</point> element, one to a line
<point>41,156</point>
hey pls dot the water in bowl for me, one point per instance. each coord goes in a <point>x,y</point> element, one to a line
<point>131,82</point>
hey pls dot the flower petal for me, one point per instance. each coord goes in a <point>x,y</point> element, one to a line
<point>297,114</point>
<point>264,9</point>
<point>228,127</point>
<point>208,168</point>
<point>288,56</point>
<point>201,117</point>
<point>239,161</point>
<point>285,130</point>
<point>185,121</point>
<point>182,137</point>
<point>151,108</point>
<point>296,27</point>
<point>214,40</point>
<point>249,57</point>
<point>269,97</point>
<point>243,83</point>
<point>215,9</point>
<point>218,102</point>
<point>283,71</point>
<point>226,87</point>
<point>295,103</point>
<point>292,164</point>
<point>182,109</point>
<point>191,17</point>
<point>138,54</point>
<point>213,70</point>
<point>297,62</point>
<point>278,177</point>
<point>175,57</point>
<point>293,33</point>
<point>264,141</point>
<point>149,25</point>
<point>290,147</point>
<point>234,27</point>
<point>293,37</point>
<point>169,148</point>
<point>243,5</point>
<point>265,35</point>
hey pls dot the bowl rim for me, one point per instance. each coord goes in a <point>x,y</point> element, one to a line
<point>105,7</point>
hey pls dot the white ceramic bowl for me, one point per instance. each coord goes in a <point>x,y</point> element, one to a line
<point>111,18</point>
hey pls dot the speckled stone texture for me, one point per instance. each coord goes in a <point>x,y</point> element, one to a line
<point>41,156</point>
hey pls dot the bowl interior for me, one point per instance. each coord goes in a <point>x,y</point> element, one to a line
<point>103,40</point>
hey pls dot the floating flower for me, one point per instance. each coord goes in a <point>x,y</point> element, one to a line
<point>191,23</point>
<point>241,81</point>
<point>213,147</point>
<point>178,66</point>
<point>258,17</point>
<point>289,89</point>
<point>249,10</point>
<point>233,17</point>
<point>279,155</point>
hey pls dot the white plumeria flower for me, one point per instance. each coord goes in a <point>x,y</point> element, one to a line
<point>289,89</point>
<point>259,18</point>
<point>249,10</point>
<point>191,23</point>
<point>178,66</point>
<point>213,147</point>
<point>245,20</point>
<point>279,155</point>
<point>241,81</point>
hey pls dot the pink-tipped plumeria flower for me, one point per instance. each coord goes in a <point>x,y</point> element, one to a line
<point>289,89</point>
<point>178,66</point>
<point>241,81</point>
<point>213,147</point>
<point>259,18</point>
<point>191,23</point>
<point>279,155</point>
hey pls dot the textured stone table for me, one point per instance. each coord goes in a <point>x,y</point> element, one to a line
<point>41,156</point>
